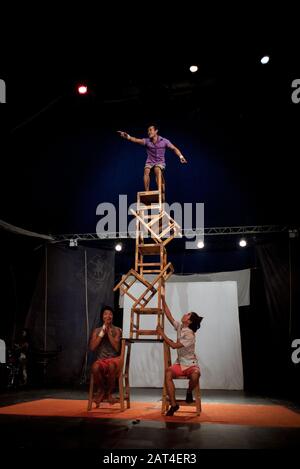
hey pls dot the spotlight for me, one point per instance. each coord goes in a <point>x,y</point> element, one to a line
<point>73,243</point>
<point>82,89</point>
<point>293,233</point>
<point>200,244</point>
<point>243,243</point>
<point>118,247</point>
<point>264,60</point>
<point>193,68</point>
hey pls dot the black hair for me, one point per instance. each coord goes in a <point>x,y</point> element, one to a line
<point>196,321</point>
<point>104,308</point>
<point>153,125</point>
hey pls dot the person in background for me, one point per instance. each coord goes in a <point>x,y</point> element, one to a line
<point>106,343</point>
<point>22,350</point>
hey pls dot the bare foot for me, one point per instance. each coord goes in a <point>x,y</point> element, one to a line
<point>98,398</point>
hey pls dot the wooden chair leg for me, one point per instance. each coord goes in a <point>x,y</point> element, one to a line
<point>167,363</point>
<point>121,391</point>
<point>121,375</point>
<point>127,385</point>
<point>91,392</point>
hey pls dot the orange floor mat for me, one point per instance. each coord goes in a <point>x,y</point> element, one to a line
<point>230,414</point>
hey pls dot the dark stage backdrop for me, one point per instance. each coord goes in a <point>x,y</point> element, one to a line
<point>272,322</point>
<point>280,264</point>
<point>72,287</point>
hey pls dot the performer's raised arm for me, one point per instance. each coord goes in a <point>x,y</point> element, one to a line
<point>131,139</point>
<point>170,342</point>
<point>166,309</point>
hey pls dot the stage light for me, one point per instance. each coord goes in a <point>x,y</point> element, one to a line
<point>293,233</point>
<point>264,60</point>
<point>193,68</point>
<point>200,244</point>
<point>73,243</point>
<point>118,247</point>
<point>82,89</point>
<point>243,243</point>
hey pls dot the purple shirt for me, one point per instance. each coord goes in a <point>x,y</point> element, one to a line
<point>156,151</point>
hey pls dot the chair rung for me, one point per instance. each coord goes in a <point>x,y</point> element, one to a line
<point>153,206</point>
<point>148,264</point>
<point>151,249</point>
<point>151,271</point>
<point>144,311</point>
<point>184,403</point>
<point>145,332</point>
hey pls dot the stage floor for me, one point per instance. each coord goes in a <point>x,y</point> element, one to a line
<point>57,418</point>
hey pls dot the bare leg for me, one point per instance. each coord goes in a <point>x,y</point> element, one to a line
<point>170,387</point>
<point>99,383</point>
<point>112,374</point>
<point>147,179</point>
<point>194,379</point>
<point>157,170</point>
<point>163,187</point>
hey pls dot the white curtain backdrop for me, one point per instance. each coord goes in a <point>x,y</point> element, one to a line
<point>218,344</point>
<point>242,277</point>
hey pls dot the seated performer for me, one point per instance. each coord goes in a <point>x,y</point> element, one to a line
<point>156,148</point>
<point>186,363</point>
<point>106,342</point>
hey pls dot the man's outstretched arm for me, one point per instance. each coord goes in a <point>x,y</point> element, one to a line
<point>178,153</point>
<point>131,139</point>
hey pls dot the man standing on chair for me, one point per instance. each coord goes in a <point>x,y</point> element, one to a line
<point>106,342</point>
<point>156,148</point>
<point>186,363</point>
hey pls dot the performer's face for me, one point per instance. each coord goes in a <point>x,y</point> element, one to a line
<point>152,131</point>
<point>186,318</point>
<point>107,317</point>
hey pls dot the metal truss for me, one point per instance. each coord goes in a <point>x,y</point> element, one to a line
<point>209,231</point>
